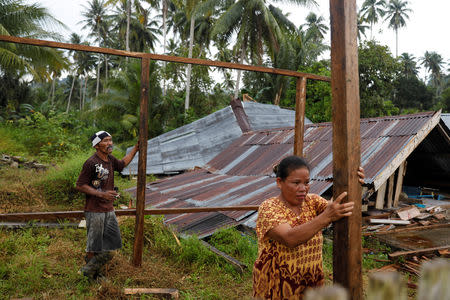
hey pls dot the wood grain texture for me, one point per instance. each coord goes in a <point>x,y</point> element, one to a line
<point>300,103</point>
<point>142,164</point>
<point>347,250</point>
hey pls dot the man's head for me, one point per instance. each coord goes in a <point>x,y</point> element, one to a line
<point>102,141</point>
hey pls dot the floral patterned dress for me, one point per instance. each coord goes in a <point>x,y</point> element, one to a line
<point>281,272</point>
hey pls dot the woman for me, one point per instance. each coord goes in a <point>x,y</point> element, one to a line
<point>289,234</point>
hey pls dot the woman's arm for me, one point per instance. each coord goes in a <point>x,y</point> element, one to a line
<point>294,236</point>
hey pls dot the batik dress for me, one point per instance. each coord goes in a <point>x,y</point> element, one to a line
<point>281,272</point>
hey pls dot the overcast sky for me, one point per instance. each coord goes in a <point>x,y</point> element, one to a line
<point>427,28</point>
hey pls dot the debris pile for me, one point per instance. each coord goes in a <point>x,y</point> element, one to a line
<point>20,162</point>
<point>408,217</point>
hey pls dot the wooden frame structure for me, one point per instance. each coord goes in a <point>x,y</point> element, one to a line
<point>347,253</point>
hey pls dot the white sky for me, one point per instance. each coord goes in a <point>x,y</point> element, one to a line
<point>427,29</point>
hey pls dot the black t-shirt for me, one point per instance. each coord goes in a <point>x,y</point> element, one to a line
<point>99,174</point>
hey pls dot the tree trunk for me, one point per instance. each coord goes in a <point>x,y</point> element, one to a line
<point>98,78</point>
<point>106,73</point>
<point>238,79</point>
<point>70,94</point>
<point>127,35</point>
<point>188,77</point>
<point>52,95</point>
<point>81,93</point>
<point>164,7</point>
<point>396,43</point>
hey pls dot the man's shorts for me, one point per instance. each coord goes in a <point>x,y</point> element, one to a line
<point>103,233</point>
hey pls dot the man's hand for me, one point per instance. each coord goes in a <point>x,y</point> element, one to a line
<point>109,195</point>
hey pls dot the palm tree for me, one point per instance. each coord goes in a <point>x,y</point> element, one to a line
<point>361,26</point>
<point>95,19</point>
<point>256,30</point>
<point>127,4</point>
<point>396,13</point>
<point>372,11</point>
<point>18,18</point>
<point>409,65</point>
<point>315,26</point>
<point>433,62</point>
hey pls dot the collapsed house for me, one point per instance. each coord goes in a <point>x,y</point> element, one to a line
<point>195,144</point>
<point>395,151</point>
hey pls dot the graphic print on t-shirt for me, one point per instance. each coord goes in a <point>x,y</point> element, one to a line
<point>101,174</point>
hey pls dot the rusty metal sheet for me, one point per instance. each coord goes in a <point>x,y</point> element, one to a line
<point>242,173</point>
<point>416,240</point>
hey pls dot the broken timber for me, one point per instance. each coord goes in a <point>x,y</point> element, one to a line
<point>237,265</point>
<point>417,252</point>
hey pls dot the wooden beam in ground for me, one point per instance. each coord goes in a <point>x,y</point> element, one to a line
<point>300,103</point>
<point>123,212</point>
<point>142,163</point>
<point>347,249</point>
<point>194,61</point>
<point>398,186</point>
<point>237,265</point>
<point>171,293</point>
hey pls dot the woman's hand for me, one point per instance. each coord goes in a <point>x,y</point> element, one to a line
<point>336,210</point>
<point>361,175</point>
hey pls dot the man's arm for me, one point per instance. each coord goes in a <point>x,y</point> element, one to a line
<point>129,157</point>
<point>107,195</point>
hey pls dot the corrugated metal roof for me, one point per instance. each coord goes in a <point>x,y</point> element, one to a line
<point>242,173</point>
<point>197,143</point>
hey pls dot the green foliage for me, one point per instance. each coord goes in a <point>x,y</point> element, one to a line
<point>49,137</point>
<point>411,93</point>
<point>58,185</point>
<point>318,94</point>
<point>236,244</point>
<point>377,73</point>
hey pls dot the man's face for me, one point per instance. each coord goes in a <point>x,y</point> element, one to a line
<point>105,146</point>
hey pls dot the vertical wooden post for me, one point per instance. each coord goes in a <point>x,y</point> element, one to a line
<point>398,186</point>
<point>347,250</point>
<point>390,193</point>
<point>142,163</point>
<point>300,103</point>
<point>381,193</point>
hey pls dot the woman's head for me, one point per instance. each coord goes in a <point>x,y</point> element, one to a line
<point>293,180</point>
<point>289,164</point>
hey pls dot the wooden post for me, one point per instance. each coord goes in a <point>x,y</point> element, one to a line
<point>386,285</point>
<point>347,249</point>
<point>142,164</point>
<point>300,102</point>
<point>379,203</point>
<point>399,184</point>
<point>390,193</point>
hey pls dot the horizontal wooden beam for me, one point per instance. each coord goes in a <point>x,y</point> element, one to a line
<point>169,58</point>
<point>415,228</point>
<point>417,252</point>
<point>123,212</point>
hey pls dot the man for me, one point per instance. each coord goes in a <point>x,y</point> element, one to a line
<point>96,180</point>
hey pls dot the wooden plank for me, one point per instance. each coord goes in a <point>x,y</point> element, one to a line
<point>142,164</point>
<point>78,215</point>
<point>407,150</point>
<point>389,221</point>
<point>399,184</point>
<point>347,250</point>
<point>237,265</point>
<point>417,252</point>
<point>390,193</point>
<point>194,61</point>
<point>300,103</point>
<point>379,203</point>
<point>416,228</point>
<point>171,293</point>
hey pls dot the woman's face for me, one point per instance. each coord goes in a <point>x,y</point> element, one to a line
<point>295,187</point>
